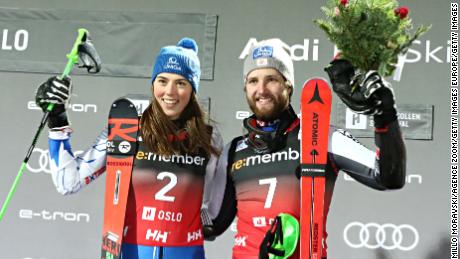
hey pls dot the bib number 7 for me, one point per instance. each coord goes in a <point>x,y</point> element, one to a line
<point>271,190</point>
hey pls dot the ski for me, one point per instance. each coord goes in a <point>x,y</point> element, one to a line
<point>315,115</point>
<point>123,128</point>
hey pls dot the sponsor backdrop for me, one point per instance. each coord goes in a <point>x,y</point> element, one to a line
<point>363,223</point>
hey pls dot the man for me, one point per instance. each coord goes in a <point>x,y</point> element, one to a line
<point>260,170</point>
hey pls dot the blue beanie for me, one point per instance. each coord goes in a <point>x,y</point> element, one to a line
<point>182,60</point>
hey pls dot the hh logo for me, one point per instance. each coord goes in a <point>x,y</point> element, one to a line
<point>355,121</point>
<point>116,129</point>
<point>148,213</point>
<point>192,236</point>
<point>157,236</point>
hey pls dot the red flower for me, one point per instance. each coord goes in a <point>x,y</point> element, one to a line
<point>337,56</point>
<point>402,12</point>
<point>343,2</point>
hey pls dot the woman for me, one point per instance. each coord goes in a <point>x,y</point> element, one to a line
<point>172,127</point>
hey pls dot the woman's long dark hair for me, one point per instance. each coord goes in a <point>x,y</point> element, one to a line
<point>157,129</point>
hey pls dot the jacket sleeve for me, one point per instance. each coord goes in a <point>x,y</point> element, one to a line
<point>381,170</point>
<point>69,172</point>
<point>392,156</point>
<point>211,178</point>
<point>222,206</point>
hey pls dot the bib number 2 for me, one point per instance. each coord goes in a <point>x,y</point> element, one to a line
<point>161,194</point>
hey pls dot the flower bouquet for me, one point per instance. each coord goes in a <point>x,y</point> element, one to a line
<point>370,33</point>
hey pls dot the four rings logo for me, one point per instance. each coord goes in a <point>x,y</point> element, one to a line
<point>40,161</point>
<point>387,236</point>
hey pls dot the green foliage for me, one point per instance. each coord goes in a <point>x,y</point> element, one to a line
<point>369,33</point>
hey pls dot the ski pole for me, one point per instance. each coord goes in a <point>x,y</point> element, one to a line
<point>72,59</point>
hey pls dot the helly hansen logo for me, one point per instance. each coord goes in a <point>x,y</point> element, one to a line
<point>290,154</point>
<point>193,236</point>
<point>157,236</point>
<point>148,213</point>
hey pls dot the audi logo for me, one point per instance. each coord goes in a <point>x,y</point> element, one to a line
<point>40,162</point>
<point>387,236</point>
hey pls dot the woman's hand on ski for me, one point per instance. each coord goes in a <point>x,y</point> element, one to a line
<point>55,91</point>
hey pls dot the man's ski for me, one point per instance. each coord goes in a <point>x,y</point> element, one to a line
<point>315,113</point>
<point>121,148</point>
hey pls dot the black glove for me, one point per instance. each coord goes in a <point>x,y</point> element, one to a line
<point>56,91</point>
<point>363,93</point>
<point>208,228</point>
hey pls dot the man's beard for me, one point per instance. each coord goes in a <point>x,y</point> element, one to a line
<point>279,105</point>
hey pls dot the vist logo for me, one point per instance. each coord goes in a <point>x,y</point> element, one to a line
<point>173,64</point>
<point>241,145</point>
<point>29,214</point>
<point>348,135</point>
<point>290,154</point>
<point>75,107</point>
